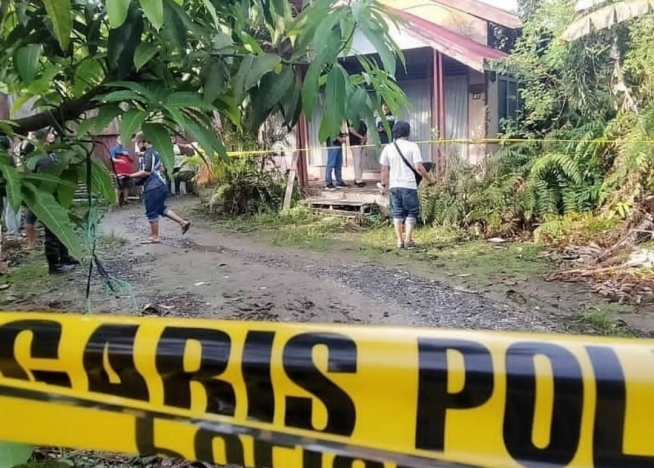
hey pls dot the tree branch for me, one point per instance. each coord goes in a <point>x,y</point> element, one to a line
<point>68,110</point>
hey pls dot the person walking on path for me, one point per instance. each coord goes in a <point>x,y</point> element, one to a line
<point>12,218</point>
<point>358,138</point>
<point>335,162</point>
<point>402,171</point>
<point>122,162</point>
<point>56,253</point>
<point>25,149</point>
<point>155,191</point>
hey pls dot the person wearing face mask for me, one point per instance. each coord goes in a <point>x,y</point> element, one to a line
<point>383,136</point>
<point>56,253</point>
<point>155,190</point>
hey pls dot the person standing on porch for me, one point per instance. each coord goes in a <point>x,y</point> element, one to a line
<point>400,162</point>
<point>383,136</point>
<point>358,138</point>
<point>335,162</point>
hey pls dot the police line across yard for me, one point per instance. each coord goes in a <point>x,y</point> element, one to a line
<point>298,395</point>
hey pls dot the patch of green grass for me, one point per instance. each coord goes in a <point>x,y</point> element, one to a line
<point>452,253</point>
<point>604,318</point>
<point>29,277</point>
<point>294,217</point>
<point>112,242</point>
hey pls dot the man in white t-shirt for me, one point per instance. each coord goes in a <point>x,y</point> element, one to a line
<point>400,161</point>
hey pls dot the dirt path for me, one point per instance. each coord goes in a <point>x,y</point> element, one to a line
<point>215,275</point>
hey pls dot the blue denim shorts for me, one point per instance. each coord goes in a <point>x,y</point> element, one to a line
<point>155,203</point>
<point>405,204</point>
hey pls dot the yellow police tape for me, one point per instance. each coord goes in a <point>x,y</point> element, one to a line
<point>451,141</point>
<point>325,396</point>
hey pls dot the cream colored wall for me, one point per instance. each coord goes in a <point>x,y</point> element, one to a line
<point>476,118</point>
<point>454,20</point>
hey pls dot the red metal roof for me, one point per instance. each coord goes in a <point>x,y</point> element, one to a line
<point>461,48</point>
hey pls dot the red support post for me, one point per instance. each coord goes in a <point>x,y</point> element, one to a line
<point>302,131</point>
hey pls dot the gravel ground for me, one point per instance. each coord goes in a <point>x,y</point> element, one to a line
<point>211,275</point>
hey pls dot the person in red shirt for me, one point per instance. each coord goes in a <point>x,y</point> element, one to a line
<point>123,163</point>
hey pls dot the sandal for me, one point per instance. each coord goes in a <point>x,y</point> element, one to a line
<point>150,241</point>
<point>186,227</point>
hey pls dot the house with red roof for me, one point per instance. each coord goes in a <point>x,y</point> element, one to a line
<point>455,92</point>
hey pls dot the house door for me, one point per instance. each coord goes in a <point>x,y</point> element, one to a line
<point>455,89</point>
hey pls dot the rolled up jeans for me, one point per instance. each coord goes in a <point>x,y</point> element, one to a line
<point>405,205</point>
<point>334,163</point>
<point>12,218</point>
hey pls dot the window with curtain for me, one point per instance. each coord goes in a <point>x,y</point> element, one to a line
<point>455,88</point>
<point>418,93</point>
<point>317,150</point>
<point>510,103</point>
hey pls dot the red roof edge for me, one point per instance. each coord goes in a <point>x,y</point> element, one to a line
<point>459,47</point>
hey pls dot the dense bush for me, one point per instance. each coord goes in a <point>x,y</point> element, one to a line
<point>248,186</point>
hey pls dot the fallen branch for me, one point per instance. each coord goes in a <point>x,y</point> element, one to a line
<point>584,272</point>
<point>630,239</point>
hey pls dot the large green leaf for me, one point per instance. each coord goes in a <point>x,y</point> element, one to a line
<point>275,86</point>
<point>60,13</point>
<point>207,139</point>
<point>374,34</point>
<point>144,53</point>
<point>66,191</point>
<point>122,96</point>
<point>214,80</point>
<point>117,12</point>
<point>123,41</point>
<point>153,10</point>
<point>101,182</point>
<point>27,60</point>
<point>188,99</point>
<point>212,11</point>
<point>54,216</point>
<point>12,454</point>
<point>12,176</point>
<point>335,93</point>
<point>250,72</point>
<point>130,123</point>
<point>159,136</point>
<point>105,116</point>
<point>311,85</point>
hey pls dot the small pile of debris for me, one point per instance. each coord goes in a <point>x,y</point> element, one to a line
<point>623,272</point>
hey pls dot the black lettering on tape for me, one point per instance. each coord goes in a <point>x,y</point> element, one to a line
<point>434,400</point>
<point>255,367</point>
<point>216,347</point>
<point>610,408</point>
<point>204,441</point>
<point>46,336</point>
<point>300,368</point>
<point>520,407</point>
<point>117,343</point>
<point>145,440</point>
<point>311,459</point>
<point>341,461</point>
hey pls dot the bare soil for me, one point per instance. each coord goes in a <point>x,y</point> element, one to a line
<point>211,273</point>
